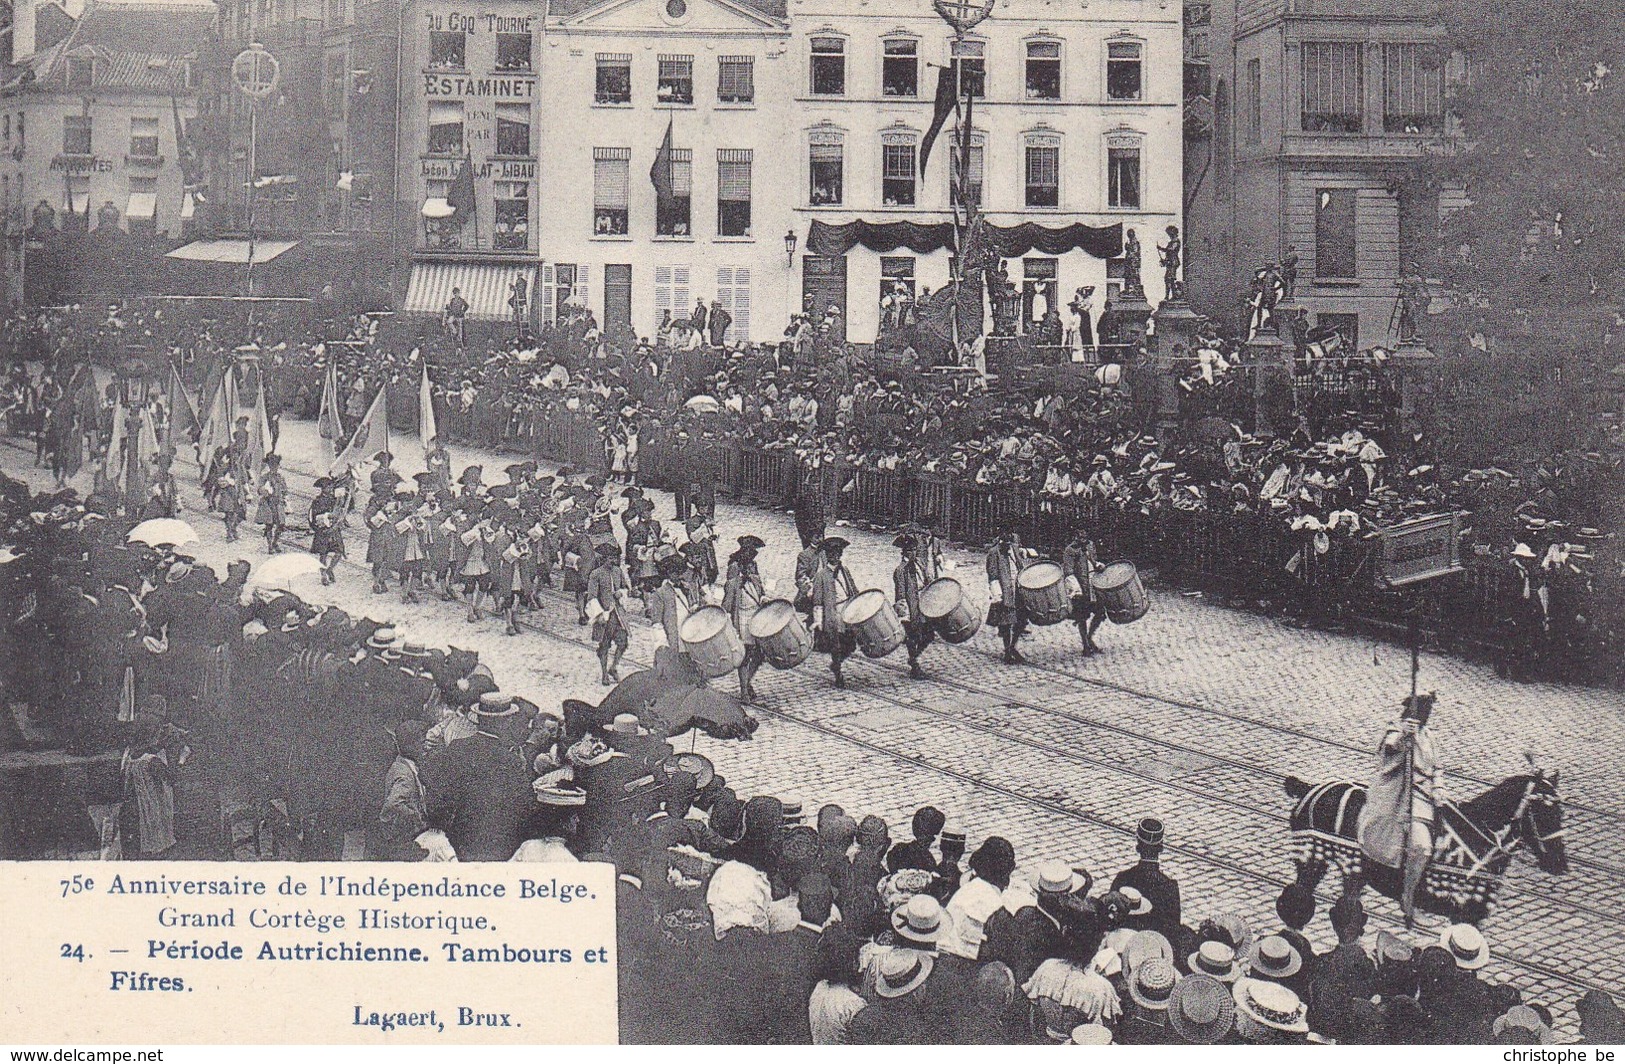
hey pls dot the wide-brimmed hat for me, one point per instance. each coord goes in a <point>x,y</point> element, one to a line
<point>1144,947</point>
<point>1467,946</point>
<point>1138,904</point>
<point>901,971</point>
<point>918,921</point>
<point>1216,961</point>
<point>1273,957</point>
<point>1271,1005</point>
<point>749,542</point>
<point>1153,983</point>
<point>834,543</point>
<point>1201,1010</point>
<point>1091,1034</point>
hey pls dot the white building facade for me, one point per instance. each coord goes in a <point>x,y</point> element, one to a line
<point>1076,122</point>
<point>616,76</point>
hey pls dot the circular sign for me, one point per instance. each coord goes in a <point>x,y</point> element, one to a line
<point>255,72</point>
<point>963,15</point>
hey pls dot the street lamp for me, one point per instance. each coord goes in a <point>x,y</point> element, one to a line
<point>790,242</point>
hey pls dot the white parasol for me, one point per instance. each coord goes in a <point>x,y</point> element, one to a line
<point>284,570</point>
<point>163,532</point>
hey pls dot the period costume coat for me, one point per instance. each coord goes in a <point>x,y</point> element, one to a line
<point>742,596</point>
<point>1402,793</point>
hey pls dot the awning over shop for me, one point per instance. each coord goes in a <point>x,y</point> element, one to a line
<point>1014,241</point>
<point>233,252</point>
<point>485,285</point>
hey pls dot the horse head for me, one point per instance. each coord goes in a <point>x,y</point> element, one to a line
<point>1539,821</point>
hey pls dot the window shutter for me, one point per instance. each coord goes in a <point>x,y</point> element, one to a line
<point>682,171</point>
<point>741,307</point>
<point>611,177</point>
<point>550,311</point>
<point>733,175</point>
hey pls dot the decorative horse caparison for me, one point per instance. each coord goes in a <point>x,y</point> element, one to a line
<point>1472,847</point>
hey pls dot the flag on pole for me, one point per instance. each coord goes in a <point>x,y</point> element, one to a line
<point>947,100</point>
<point>144,448</point>
<point>662,173</point>
<point>427,430</point>
<point>217,429</point>
<point>371,436</point>
<point>259,436</point>
<point>460,197</point>
<point>112,461</point>
<point>329,426</point>
<point>183,420</point>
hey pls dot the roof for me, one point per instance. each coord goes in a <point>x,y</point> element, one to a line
<point>778,9</point>
<point>135,45</point>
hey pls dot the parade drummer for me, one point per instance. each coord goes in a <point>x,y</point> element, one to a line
<point>669,604</point>
<point>908,580</point>
<point>1079,563</point>
<point>326,537</point>
<point>273,505</point>
<point>807,565</point>
<point>606,603</point>
<point>832,586</point>
<point>409,554</point>
<point>1005,561</point>
<point>743,594</point>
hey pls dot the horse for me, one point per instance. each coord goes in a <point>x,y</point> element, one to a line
<point>1473,842</point>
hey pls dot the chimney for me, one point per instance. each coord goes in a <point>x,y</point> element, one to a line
<point>22,30</point>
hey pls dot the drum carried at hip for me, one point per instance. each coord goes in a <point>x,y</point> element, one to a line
<point>1042,590</point>
<point>1120,591</point>
<point>946,608</point>
<point>709,639</point>
<point>781,634</point>
<point>873,623</point>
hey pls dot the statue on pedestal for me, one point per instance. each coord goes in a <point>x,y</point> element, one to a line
<point>1413,300</point>
<point>1170,257</point>
<point>1289,274</point>
<point>1133,287</point>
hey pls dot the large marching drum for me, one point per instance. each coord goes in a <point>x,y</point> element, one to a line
<point>946,608</point>
<point>1119,590</point>
<point>781,635</point>
<point>1042,590</point>
<point>709,638</point>
<point>873,622</point>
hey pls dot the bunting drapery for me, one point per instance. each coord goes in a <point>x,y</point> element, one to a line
<point>1103,242</point>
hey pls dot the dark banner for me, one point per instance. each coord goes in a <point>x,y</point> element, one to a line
<point>1103,242</point>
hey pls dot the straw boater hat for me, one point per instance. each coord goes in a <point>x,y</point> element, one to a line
<point>1138,903</point>
<point>918,922</point>
<point>625,724</point>
<point>1216,961</point>
<point>1144,947</point>
<point>1271,1005</point>
<point>1467,946</point>
<point>1201,1010</point>
<point>1153,983</point>
<point>1054,877</point>
<point>1274,958</point>
<point>1091,1034</point>
<point>382,638</point>
<point>901,971</point>
<point>494,705</point>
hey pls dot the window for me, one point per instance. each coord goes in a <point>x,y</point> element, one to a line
<point>969,64</point>
<point>1043,70</point>
<point>614,79</point>
<point>1334,233</point>
<point>513,215</point>
<point>611,191</point>
<point>898,172</point>
<point>76,203</point>
<point>733,292</point>
<point>81,72</point>
<point>675,217</point>
<point>141,209</point>
<point>1123,177</point>
<point>76,135</point>
<point>900,69</point>
<point>671,292</point>
<point>676,84</point>
<point>977,175</point>
<point>1252,103</point>
<point>513,129</point>
<point>733,191</point>
<point>1124,76</point>
<point>563,283</point>
<point>1043,181</point>
<point>736,79</point>
<point>1038,290</point>
<point>513,51</point>
<point>896,283</point>
<point>828,66</point>
<point>144,138</point>
<point>1333,88</point>
<point>826,168</point>
<point>445,127</point>
<point>447,50</point>
<point>1412,89</point>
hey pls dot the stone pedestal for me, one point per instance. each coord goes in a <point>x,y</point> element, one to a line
<point>1412,361</point>
<point>1270,361</point>
<point>1132,314</point>
<point>1176,326</point>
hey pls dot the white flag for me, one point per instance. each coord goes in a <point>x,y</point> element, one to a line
<point>371,436</point>
<point>426,426</point>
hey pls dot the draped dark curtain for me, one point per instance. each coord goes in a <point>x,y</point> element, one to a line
<point>1103,242</point>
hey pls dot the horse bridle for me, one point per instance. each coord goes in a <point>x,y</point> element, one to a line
<point>1525,809</point>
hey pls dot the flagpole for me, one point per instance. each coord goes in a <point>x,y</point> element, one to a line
<point>474,200</point>
<point>253,170</point>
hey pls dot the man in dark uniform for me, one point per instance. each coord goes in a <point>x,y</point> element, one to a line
<point>1079,563</point>
<point>831,587</point>
<point>908,579</point>
<point>1147,876</point>
<point>478,789</point>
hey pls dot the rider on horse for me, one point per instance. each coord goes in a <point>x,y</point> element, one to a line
<point>1396,826</point>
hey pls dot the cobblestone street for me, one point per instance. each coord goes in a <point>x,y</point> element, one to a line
<point>1196,714</point>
